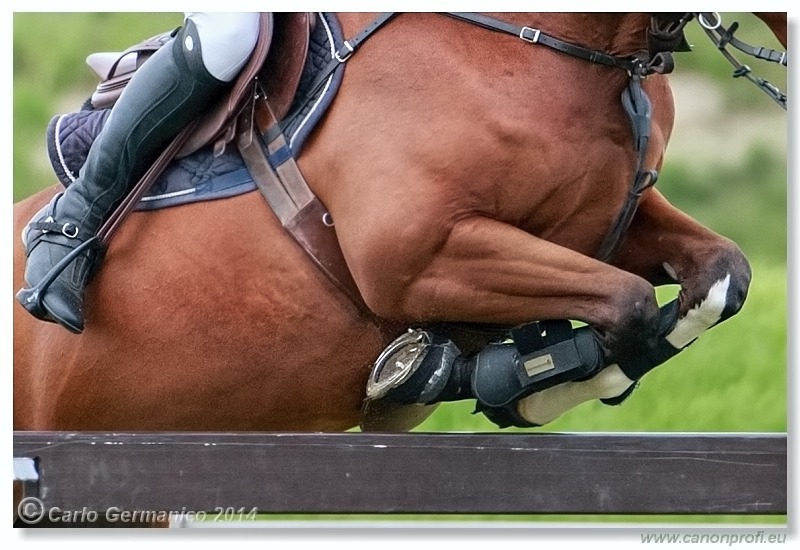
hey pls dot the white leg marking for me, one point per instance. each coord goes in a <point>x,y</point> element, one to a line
<point>702,317</point>
<point>547,405</point>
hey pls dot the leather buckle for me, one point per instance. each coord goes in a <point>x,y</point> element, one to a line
<point>342,58</point>
<point>533,37</point>
<point>66,233</point>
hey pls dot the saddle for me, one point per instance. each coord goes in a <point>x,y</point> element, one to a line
<point>276,62</point>
<point>258,100</point>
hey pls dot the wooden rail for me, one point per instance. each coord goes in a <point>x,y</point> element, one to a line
<point>408,473</point>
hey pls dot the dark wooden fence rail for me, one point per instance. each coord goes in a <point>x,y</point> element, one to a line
<point>410,473</point>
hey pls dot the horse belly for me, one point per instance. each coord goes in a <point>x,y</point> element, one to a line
<point>196,324</point>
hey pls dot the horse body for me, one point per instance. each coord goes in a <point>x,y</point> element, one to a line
<point>540,161</point>
<point>471,178</point>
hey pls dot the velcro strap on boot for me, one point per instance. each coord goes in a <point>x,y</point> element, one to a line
<point>69,230</point>
<point>502,375</point>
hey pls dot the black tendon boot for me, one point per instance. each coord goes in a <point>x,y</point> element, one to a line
<point>166,93</point>
<point>422,367</point>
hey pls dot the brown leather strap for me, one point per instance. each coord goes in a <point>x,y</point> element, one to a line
<point>295,205</point>
<point>319,240</point>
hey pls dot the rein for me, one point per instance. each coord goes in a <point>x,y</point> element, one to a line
<point>722,37</point>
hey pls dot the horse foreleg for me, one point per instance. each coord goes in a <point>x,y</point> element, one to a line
<point>664,246</point>
<point>486,271</point>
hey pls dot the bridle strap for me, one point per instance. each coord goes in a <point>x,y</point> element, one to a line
<point>639,110</point>
<point>536,36</point>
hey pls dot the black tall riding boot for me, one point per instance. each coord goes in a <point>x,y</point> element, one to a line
<point>166,93</point>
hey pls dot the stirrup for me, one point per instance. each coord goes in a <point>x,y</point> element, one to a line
<point>32,298</point>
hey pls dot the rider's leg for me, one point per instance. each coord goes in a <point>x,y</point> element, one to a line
<point>164,95</point>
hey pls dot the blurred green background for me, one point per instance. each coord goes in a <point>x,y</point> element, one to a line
<point>726,166</point>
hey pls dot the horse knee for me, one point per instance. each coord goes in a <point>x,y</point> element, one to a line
<point>715,295</point>
<point>634,319</point>
<point>635,306</point>
<point>718,293</point>
<point>713,291</point>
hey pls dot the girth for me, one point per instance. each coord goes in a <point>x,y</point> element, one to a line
<point>287,192</point>
<point>269,159</point>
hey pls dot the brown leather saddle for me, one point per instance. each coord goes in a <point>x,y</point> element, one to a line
<point>273,72</point>
<point>277,62</point>
<point>259,98</point>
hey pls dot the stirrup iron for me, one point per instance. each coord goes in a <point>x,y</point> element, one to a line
<point>31,298</point>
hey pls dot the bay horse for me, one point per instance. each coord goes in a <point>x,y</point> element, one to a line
<point>472,178</point>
